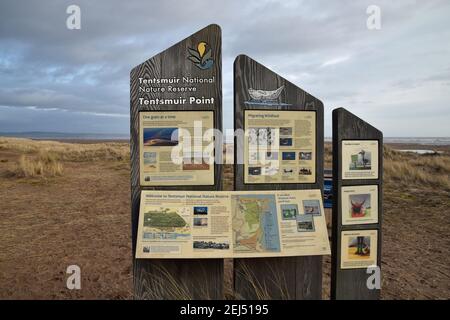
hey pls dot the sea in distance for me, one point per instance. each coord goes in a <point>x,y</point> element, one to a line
<point>38,135</point>
<point>431,141</point>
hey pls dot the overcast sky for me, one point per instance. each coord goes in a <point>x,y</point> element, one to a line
<point>397,78</point>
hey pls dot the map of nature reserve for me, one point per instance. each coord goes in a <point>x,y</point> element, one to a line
<point>230,224</point>
<point>255,223</point>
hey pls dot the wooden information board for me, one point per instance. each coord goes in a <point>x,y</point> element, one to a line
<point>168,93</point>
<point>357,206</point>
<point>276,113</point>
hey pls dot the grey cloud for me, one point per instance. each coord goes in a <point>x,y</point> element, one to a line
<point>86,72</point>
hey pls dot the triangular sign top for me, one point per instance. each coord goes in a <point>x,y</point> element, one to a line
<point>199,53</point>
<point>251,78</point>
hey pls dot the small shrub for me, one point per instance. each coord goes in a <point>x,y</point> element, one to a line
<point>44,165</point>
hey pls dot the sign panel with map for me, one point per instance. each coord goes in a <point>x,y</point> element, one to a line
<point>279,146</point>
<point>255,223</point>
<point>176,148</point>
<point>237,224</point>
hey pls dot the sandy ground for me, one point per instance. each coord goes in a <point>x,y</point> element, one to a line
<point>83,218</point>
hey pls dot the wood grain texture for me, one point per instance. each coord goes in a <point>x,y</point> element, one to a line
<point>351,283</point>
<point>286,277</point>
<point>200,279</point>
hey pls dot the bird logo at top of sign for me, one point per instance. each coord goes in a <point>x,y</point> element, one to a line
<point>201,57</point>
<point>266,97</point>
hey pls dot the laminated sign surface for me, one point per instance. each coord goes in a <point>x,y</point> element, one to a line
<point>280,146</point>
<point>237,224</point>
<point>163,137</point>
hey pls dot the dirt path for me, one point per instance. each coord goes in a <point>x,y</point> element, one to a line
<point>416,244</point>
<point>74,219</point>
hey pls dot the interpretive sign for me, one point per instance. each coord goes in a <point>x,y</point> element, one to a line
<point>359,159</point>
<point>359,204</point>
<point>358,249</point>
<point>222,224</point>
<point>357,207</point>
<point>279,146</point>
<point>175,99</point>
<point>164,137</point>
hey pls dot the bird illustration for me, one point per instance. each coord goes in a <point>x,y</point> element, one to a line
<point>202,56</point>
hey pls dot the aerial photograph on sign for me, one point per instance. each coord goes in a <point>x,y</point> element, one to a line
<point>160,137</point>
<point>165,223</point>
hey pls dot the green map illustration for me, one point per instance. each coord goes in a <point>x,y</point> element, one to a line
<point>255,223</point>
<point>165,223</point>
<point>163,219</point>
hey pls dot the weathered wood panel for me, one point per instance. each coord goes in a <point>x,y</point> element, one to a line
<point>286,277</point>
<point>199,279</point>
<point>351,283</point>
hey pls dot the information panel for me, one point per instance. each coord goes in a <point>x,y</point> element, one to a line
<point>279,146</point>
<point>359,159</point>
<point>359,249</point>
<point>176,148</point>
<point>359,204</point>
<point>237,224</point>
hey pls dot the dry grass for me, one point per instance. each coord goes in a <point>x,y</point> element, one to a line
<point>328,156</point>
<point>111,151</point>
<point>160,285</point>
<point>411,169</point>
<point>43,165</point>
<point>274,284</point>
<point>43,159</point>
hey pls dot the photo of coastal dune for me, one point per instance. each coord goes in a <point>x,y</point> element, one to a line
<point>160,137</point>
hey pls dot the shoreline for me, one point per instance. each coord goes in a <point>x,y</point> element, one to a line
<point>413,145</point>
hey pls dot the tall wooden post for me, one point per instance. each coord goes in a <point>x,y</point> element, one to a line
<point>285,277</point>
<point>357,207</point>
<point>177,73</point>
